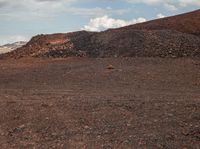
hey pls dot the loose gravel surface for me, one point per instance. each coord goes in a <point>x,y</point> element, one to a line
<point>111,103</point>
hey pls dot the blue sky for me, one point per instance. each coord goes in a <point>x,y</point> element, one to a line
<point>22,19</point>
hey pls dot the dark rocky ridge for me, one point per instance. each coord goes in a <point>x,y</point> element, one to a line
<point>176,36</point>
<point>185,23</point>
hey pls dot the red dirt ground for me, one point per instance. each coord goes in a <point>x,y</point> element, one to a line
<point>141,103</point>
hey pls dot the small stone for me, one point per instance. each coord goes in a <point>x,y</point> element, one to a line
<point>54,134</point>
<point>110,67</point>
<point>21,126</point>
<point>128,125</point>
<point>86,127</point>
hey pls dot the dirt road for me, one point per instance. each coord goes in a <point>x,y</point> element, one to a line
<point>141,103</point>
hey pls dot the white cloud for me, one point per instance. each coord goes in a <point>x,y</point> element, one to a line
<point>171,7</point>
<point>96,11</point>
<point>185,3</point>
<point>48,9</point>
<point>105,22</point>
<point>29,9</point>
<point>160,15</point>
<point>152,2</point>
<point>168,4</point>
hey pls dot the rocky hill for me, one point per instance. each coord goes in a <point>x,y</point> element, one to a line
<point>177,36</point>
<point>185,23</point>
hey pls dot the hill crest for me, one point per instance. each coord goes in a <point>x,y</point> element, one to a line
<point>176,36</point>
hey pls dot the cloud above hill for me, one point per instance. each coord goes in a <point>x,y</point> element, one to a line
<point>47,9</point>
<point>60,5</point>
<point>160,15</point>
<point>33,9</point>
<point>105,22</point>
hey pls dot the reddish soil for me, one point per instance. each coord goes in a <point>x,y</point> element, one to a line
<point>140,103</point>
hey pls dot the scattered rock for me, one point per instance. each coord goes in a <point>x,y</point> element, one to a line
<point>110,67</point>
<point>86,127</point>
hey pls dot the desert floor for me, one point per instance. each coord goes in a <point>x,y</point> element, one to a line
<point>78,103</point>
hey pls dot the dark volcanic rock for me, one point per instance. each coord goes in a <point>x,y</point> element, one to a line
<point>185,23</point>
<point>176,36</point>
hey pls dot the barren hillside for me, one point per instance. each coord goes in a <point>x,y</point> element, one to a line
<point>176,36</point>
<point>185,23</point>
